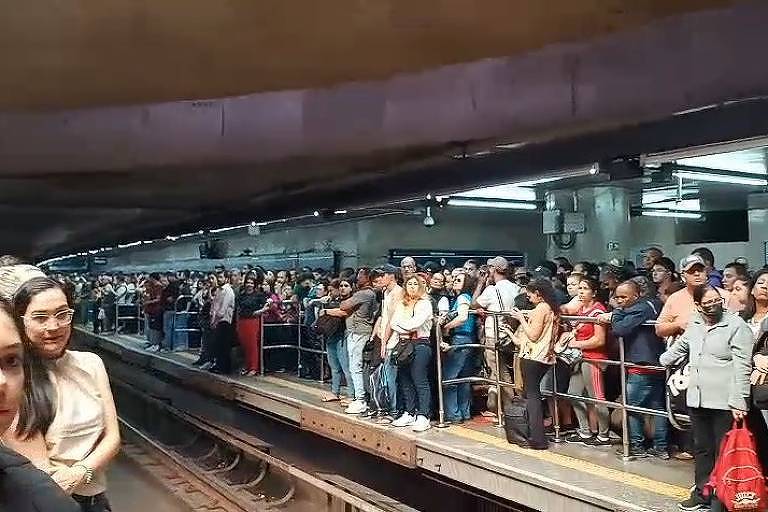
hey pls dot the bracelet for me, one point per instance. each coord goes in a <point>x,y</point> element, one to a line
<point>88,472</point>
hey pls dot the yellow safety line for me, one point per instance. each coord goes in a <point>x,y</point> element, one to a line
<point>293,385</point>
<point>647,484</point>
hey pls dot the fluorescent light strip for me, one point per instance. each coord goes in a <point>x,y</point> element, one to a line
<point>230,228</point>
<point>504,205</point>
<point>676,215</point>
<point>500,192</point>
<point>721,178</point>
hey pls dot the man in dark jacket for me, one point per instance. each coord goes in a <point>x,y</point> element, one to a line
<point>24,488</point>
<point>645,387</point>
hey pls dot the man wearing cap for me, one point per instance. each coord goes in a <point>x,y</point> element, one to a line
<point>679,308</point>
<point>386,281</point>
<point>498,295</point>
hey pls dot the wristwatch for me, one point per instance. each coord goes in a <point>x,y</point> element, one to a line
<point>88,473</point>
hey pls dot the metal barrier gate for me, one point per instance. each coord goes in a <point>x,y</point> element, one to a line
<point>179,326</point>
<point>127,313</point>
<point>322,351</point>
<point>622,405</point>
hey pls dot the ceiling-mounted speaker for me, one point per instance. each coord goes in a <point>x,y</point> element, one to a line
<point>622,168</point>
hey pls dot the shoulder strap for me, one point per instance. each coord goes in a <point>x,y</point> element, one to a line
<point>498,295</point>
<point>655,312</point>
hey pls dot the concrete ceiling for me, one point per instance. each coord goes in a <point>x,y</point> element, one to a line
<point>120,120</point>
<point>70,53</point>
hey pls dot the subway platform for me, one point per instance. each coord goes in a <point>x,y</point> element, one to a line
<point>475,454</point>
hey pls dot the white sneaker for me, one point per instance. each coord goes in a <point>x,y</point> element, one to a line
<point>406,420</point>
<point>421,424</point>
<point>356,407</point>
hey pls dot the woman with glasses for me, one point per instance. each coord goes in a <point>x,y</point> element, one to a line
<point>663,276</point>
<point>719,346</point>
<point>459,362</point>
<point>23,488</point>
<point>67,424</point>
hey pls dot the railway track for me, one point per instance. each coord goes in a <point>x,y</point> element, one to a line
<point>215,468</point>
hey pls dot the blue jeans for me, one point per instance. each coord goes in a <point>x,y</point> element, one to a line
<point>180,340</point>
<point>355,345</point>
<point>414,382</point>
<point>458,363</point>
<point>167,342</point>
<point>338,361</point>
<point>391,382</point>
<point>646,391</point>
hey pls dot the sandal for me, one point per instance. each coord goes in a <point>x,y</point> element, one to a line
<point>331,398</point>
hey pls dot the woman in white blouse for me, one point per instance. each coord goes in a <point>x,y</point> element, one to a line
<point>67,424</point>
<point>412,321</point>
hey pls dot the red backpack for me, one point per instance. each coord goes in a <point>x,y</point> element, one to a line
<point>737,477</point>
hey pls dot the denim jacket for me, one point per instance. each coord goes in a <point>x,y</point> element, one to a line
<point>720,358</point>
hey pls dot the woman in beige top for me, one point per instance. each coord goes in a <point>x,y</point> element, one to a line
<point>537,334</point>
<point>67,423</point>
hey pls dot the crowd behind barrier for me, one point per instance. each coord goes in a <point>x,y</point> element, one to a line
<point>403,338</point>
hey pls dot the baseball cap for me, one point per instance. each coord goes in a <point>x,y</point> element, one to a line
<point>387,269</point>
<point>499,263</point>
<point>691,260</point>
<point>542,272</point>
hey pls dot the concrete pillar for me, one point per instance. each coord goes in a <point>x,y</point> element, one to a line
<point>606,215</point>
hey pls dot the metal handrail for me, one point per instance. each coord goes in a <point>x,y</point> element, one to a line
<point>621,362</point>
<point>184,311</point>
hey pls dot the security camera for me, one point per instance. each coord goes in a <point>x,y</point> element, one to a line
<point>429,221</point>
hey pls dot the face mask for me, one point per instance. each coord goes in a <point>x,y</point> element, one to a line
<point>714,311</point>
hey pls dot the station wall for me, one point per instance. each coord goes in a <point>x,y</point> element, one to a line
<point>612,233</point>
<point>367,241</point>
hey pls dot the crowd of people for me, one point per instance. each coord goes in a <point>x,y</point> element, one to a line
<point>546,328</point>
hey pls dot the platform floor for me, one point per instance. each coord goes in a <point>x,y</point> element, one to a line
<point>476,453</point>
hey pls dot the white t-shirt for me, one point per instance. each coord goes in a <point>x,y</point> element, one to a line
<point>489,300</point>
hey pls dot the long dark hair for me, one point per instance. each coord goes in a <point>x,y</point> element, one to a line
<point>545,288</point>
<point>751,308</point>
<point>38,406</point>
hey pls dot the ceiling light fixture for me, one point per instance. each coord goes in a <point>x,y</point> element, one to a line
<point>672,214</point>
<point>230,228</point>
<point>340,212</point>
<point>504,205</point>
<point>721,178</point>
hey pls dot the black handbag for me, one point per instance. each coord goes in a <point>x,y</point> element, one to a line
<point>402,354</point>
<point>760,391</point>
<point>516,423</point>
<point>327,325</point>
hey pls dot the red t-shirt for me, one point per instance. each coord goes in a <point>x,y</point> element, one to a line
<point>584,331</point>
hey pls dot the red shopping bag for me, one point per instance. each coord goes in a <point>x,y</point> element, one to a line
<point>737,478</point>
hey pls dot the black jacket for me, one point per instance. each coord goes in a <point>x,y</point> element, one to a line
<point>24,488</point>
<point>641,344</point>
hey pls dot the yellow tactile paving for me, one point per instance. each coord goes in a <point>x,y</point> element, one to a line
<point>623,477</point>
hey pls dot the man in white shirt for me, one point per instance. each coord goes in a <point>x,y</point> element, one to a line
<point>498,295</point>
<point>393,292</point>
<point>222,313</point>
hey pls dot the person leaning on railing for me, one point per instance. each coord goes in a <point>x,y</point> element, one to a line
<point>719,346</point>
<point>536,337</point>
<point>459,362</point>
<point>588,379</point>
<point>645,387</point>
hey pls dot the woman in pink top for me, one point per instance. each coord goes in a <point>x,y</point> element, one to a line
<point>587,379</point>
